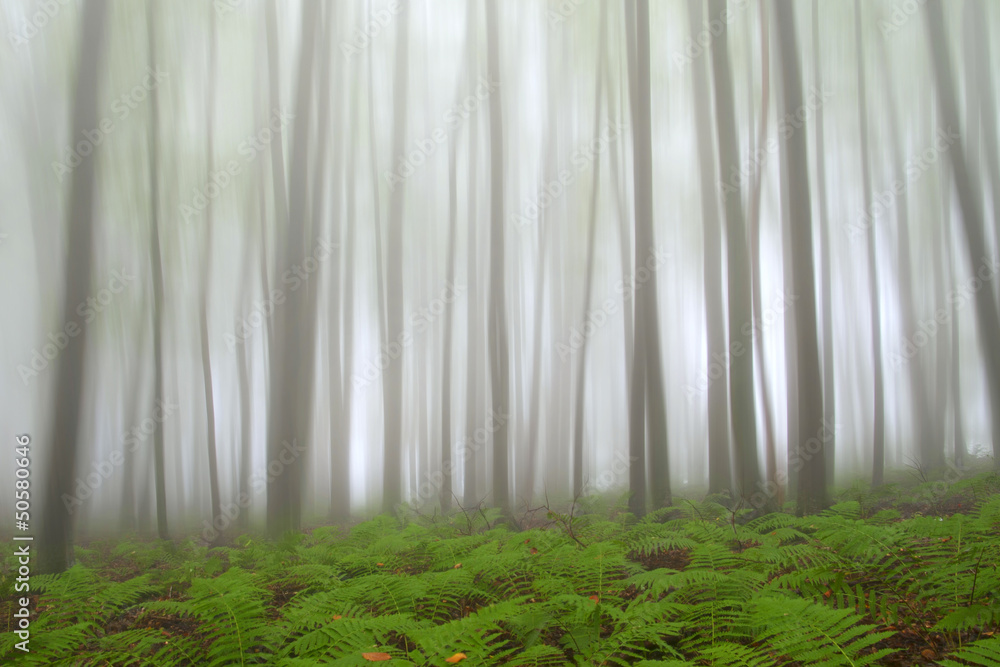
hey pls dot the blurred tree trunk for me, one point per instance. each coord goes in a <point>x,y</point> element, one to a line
<point>647,394</point>
<point>637,388</point>
<point>56,540</point>
<point>970,202</point>
<point>581,362</point>
<point>339,453</point>
<point>956,360</point>
<point>720,474</point>
<point>392,375</point>
<point>291,402</point>
<point>773,501</point>
<point>341,479</point>
<point>449,317</point>
<point>878,403</point>
<point>159,468</point>
<point>499,365</point>
<point>829,369</point>
<point>812,496</point>
<point>985,92</point>
<point>473,404</point>
<point>741,375</point>
<point>206,279</point>
<point>542,224</point>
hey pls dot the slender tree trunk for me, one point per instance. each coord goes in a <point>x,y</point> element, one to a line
<point>392,376</point>
<point>581,367</point>
<point>878,403</point>
<point>956,360</point>
<point>470,490</point>
<point>720,475</point>
<point>156,269</point>
<point>499,365</point>
<point>829,369</point>
<point>770,454</point>
<point>206,279</point>
<point>741,375</point>
<point>449,316</point>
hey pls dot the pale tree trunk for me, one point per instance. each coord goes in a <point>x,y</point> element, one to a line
<point>341,478</point>
<point>470,486</point>
<point>446,454</point>
<point>772,502</point>
<point>581,362</point>
<point>499,364</point>
<point>156,269</point>
<point>878,397</point>
<point>206,278</point>
<point>541,225</point>
<point>392,375</point>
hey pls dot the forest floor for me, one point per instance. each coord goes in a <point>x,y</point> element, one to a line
<point>906,575</point>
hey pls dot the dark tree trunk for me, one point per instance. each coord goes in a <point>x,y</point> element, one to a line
<point>720,474</point>
<point>290,411</point>
<point>56,543</point>
<point>741,376</point>
<point>812,496</point>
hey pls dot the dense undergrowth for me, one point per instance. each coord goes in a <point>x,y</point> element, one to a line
<point>871,581</point>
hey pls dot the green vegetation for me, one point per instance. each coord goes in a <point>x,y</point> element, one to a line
<point>868,582</point>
